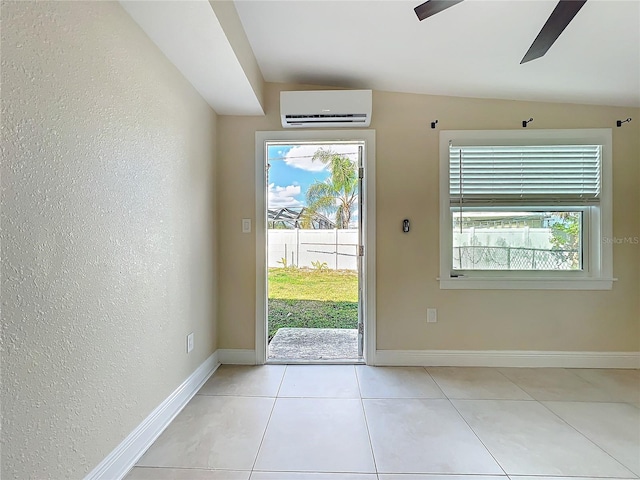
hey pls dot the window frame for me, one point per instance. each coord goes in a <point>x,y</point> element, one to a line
<point>597,271</point>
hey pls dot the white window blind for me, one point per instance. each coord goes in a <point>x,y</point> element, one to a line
<point>524,175</point>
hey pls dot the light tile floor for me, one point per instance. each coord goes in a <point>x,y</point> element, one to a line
<point>354,422</point>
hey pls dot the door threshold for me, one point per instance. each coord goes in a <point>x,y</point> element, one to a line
<point>330,361</point>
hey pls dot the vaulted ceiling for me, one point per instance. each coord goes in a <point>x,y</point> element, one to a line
<point>472,49</point>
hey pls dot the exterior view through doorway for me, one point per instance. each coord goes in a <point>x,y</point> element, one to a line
<point>314,251</point>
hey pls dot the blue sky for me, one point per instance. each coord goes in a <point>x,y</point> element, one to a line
<point>292,171</point>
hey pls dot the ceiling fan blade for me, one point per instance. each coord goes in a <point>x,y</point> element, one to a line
<point>431,7</point>
<point>556,23</point>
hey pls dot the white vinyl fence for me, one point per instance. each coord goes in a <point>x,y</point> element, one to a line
<point>337,248</point>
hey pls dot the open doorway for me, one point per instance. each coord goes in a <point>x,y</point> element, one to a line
<point>314,239</point>
<point>367,230</point>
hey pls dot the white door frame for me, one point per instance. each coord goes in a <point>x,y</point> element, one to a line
<point>368,136</point>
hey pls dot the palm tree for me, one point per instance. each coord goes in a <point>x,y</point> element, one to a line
<point>338,193</point>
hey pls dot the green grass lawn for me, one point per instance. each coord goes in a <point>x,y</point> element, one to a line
<point>306,298</point>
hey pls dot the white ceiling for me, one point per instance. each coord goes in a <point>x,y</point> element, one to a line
<point>472,49</point>
<point>192,36</point>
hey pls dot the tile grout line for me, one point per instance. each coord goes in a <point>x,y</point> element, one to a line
<point>284,374</point>
<point>567,477</point>
<point>532,398</point>
<point>585,436</point>
<point>541,402</point>
<point>515,383</point>
<point>201,469</point>
<point>590,382</point>
<point>567,370</point>
<point>264,434</point>
<point>444,395</point>
<point>478,437</point>
<point>366,424</point>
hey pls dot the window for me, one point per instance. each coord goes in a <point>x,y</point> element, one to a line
<point>503,240</point>
<point>526,209</point>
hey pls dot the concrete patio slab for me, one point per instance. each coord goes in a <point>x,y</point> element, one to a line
<point>314,344</point>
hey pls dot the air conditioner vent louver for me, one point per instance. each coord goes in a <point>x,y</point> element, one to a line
<point>357,117</point>
<point>324,108</point>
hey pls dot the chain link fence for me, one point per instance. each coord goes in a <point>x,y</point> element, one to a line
<point>477,257</point>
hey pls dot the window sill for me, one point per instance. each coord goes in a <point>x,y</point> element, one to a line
<point>526,283</point>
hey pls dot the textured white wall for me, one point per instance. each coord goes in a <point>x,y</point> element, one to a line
<point>108,238</point>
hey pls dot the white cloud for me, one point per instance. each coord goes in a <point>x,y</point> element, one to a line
<point>279,197</point>
<point>301,156</point>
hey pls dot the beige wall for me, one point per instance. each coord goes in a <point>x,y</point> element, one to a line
<point>108,233</point>
<point>407,187</point>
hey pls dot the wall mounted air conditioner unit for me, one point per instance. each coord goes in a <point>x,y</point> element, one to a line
<point>325,108</point>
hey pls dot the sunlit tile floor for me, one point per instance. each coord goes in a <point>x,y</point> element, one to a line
<point>354,422</point>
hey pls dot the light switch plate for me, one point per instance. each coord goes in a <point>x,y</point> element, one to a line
<point>246,225</point>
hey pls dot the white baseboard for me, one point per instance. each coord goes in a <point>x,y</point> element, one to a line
<point>237,356</point>
<point>506,358</point>
<point>124,456</point>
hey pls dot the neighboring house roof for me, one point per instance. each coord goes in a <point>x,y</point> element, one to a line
<point>291,217</point>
